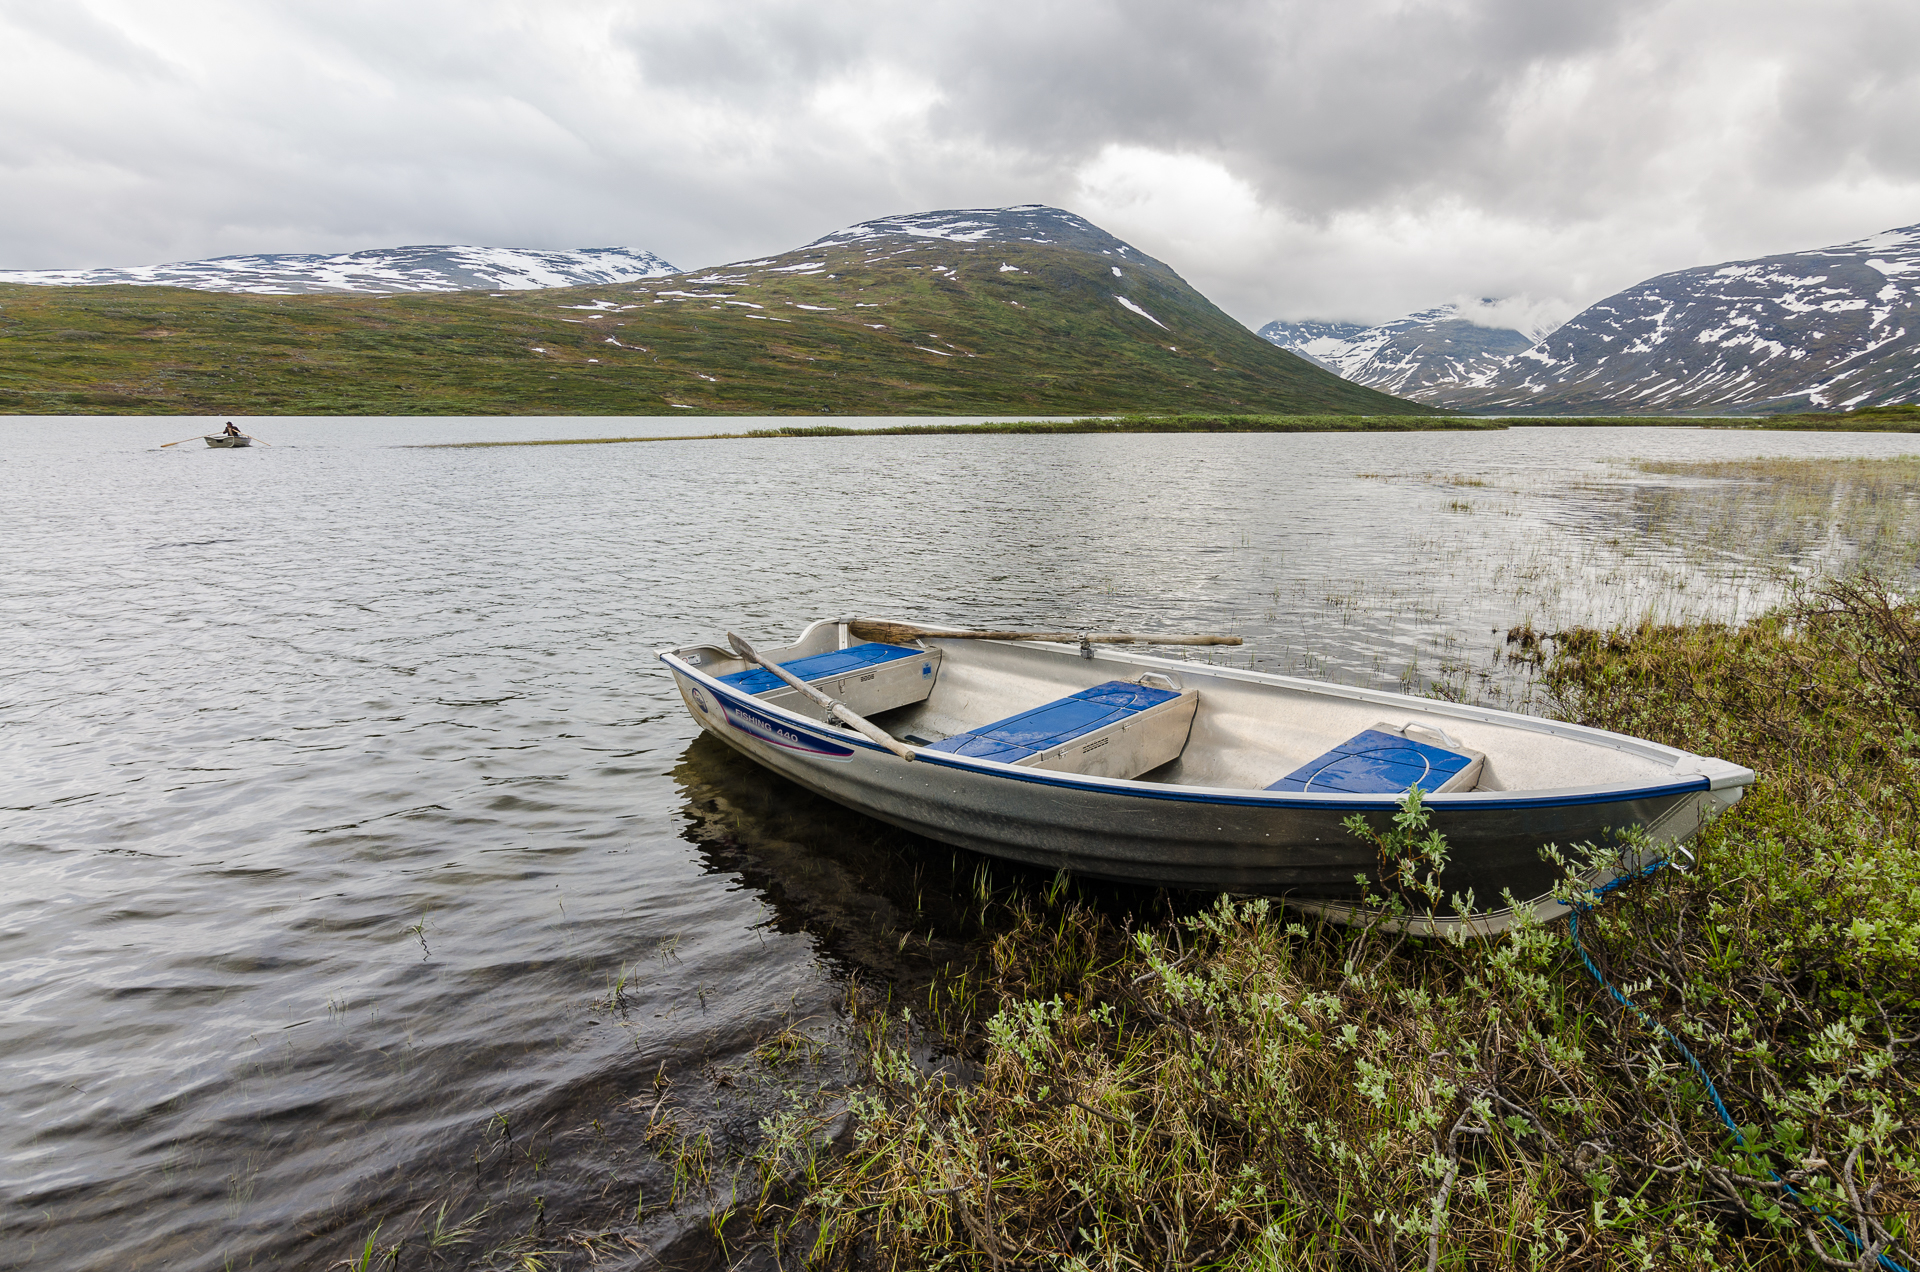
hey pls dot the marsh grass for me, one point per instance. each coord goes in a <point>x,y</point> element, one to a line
<point>1235,1088</point>
<point>1617,545</point>
<point>1831,514</point>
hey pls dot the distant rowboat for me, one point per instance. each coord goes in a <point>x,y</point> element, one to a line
<point>224,441</point>
<point>1173,773</point>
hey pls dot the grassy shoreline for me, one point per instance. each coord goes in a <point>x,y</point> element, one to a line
<point>1238,1088</point>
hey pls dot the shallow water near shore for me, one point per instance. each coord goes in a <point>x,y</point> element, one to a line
<point>359,858</point>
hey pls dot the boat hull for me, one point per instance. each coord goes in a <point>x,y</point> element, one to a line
<point>1166,835</point>
<point>220,442</point>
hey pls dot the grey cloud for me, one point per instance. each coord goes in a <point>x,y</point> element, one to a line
<point>80,31</point>
<point>1294,158</point>
<point>1850,98</point>
<point>763,61</point>
<point>1321,105</point>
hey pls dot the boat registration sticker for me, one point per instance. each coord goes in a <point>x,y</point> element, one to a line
<point>773,732</point>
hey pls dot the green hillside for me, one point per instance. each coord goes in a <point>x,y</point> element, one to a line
<point>889,327</point>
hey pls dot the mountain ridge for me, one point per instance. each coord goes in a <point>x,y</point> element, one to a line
<point>994,311</point>
<point>375,271</point>
<point>1833,328</point>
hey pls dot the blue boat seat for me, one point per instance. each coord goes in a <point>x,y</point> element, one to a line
<point>1383,761</point>
<point>869,678</point>
<point>838,662</point>
<point>1155,722</point>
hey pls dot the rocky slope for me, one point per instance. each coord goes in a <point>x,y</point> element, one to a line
<point>1410,356</point>
<point>1838,327</point>
<point>1025,310</point>
<point>382,270</point>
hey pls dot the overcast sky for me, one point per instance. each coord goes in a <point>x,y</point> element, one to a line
<point>1346,159</point>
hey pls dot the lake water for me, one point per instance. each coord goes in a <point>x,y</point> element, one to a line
<point>359,858</point>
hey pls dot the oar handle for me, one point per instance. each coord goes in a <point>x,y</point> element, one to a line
<point>834,708</point>
<point>900,633</point>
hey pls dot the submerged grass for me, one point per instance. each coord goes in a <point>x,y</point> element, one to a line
<point>1238,1089</point>
<point>1844,509</point>
<point>1619,543</point>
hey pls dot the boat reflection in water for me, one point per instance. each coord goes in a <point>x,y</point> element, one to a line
<point>875,901</point>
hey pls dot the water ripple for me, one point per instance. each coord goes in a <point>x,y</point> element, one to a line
<point>339,782</point>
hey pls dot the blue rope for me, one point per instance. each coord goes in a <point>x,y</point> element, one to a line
<point>1700,1071</point>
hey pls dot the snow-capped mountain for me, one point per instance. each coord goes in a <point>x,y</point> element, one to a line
<point>943,240</point>
<point>1836,327</point>
<point>1410,356</point>
<point>1026,310</point>
<point>1024,223</point>
<point>387,269</point>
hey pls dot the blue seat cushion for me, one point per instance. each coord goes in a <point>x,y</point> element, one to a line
<point>1018,736</point>
<point>820,666</point>
<point>1376,763</point>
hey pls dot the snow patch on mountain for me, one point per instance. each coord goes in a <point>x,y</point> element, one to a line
<point>377,271</point>
<point>1143,313</point>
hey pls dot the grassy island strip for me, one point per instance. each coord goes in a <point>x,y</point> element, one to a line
<point>1878,419</point>
<point>1239,1087</point>
<point>1892,419</point>
<point>1123,424</point>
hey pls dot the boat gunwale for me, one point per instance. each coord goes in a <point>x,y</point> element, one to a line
<point>1554,797</point>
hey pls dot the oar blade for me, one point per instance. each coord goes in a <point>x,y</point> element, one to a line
<point>884,632</point>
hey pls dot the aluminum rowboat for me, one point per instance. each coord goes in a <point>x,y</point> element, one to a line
<point>223,441</point>
<point>1206,819</point>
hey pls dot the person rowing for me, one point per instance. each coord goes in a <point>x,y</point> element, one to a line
<point>233,430</point>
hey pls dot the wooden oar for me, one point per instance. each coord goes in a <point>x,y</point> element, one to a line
<point>901,633</point>
<point>838,710</point>
<point>196,437</point>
